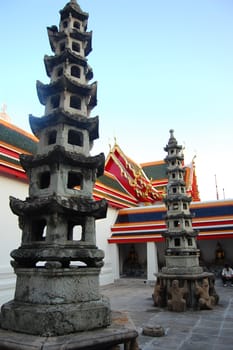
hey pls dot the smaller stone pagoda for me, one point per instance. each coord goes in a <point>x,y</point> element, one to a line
<point>182,283</point>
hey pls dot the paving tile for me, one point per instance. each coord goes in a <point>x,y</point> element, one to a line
<point>190,330</point>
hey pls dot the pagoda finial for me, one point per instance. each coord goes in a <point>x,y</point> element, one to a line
<point>172,138</point>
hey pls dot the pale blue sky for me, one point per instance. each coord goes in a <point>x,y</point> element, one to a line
<point>159,64</point>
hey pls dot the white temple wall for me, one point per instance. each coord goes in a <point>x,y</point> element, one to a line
<point>10,234</point>
<point>103,232</point>
<point>114,249</point>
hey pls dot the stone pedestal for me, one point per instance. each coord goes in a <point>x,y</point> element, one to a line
<point>121,331</point>
<point>187,281</point>
<point>50,302</point>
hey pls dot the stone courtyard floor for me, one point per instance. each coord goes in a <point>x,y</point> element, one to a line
<point>191,330</point>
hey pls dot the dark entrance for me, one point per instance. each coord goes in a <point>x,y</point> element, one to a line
<point>133,260</point>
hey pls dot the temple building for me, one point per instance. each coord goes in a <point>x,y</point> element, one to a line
<point>132,233</point>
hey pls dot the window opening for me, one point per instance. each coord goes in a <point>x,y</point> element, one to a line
<point>75,71</point>
<point>65,24</point>
<point>177,242</point>
<point>75,138</point>
<point>44,180</point>
<point>52,136</point>
<point>77,25</point>
<point>190,241</point>
<point>62,47</point>
<point>75,46</point>
<point>39,230</point>
<point>59,72</point>
<point>55,101</point>
<point>74,180</point>
<point>75,102</point>
<point>75,232</point>
<point>175,206</point>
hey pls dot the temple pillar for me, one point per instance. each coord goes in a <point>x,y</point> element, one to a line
<point>152,261</point>
<point>114,251</point>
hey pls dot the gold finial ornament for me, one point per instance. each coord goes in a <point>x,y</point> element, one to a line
<point>3,114</point>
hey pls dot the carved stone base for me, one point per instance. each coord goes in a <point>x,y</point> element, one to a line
<point>121,331</point>
<point>52,320</point>
<point>187,289</point>
<point>51,302</point>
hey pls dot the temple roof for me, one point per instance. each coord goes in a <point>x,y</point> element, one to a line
<point>13,142</point>
<point>131,176</point>
<point>213,220</point>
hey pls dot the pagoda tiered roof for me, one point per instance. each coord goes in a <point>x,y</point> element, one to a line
<point>52,61</point>
<point>76,11</point>
<point>65,83</point>
<point>56,36</point>
<point>59,115</point>
<point>59,154</point>
<point>51,204</point>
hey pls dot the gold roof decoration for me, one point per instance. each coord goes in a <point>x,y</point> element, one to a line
<point>3,113</point>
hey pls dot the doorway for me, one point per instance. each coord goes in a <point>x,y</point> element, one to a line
<point>133,260</point>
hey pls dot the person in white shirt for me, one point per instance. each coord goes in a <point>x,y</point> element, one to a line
<point>227,275</point>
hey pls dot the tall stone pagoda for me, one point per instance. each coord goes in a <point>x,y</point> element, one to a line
<point>181,255</point>
<point>58,263</point>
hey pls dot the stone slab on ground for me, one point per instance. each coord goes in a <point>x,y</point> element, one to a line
<point>121,331</point>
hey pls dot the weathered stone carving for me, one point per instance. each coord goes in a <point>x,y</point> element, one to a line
<point>205,300</point>
<point>176,301</point>
<point>158,293</point>
<point>154,331</point>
